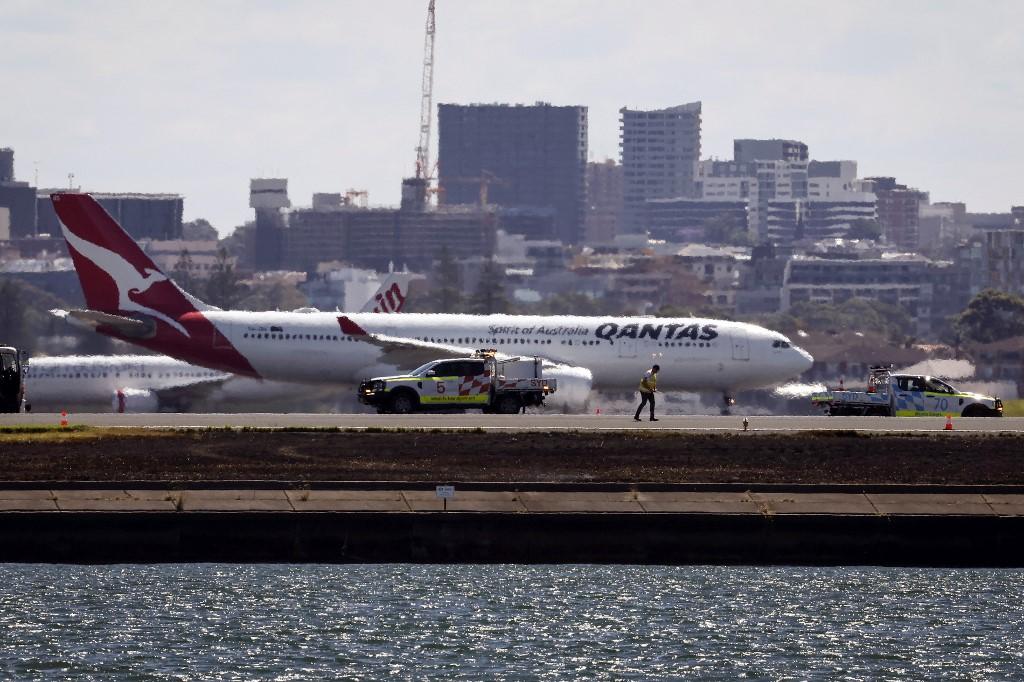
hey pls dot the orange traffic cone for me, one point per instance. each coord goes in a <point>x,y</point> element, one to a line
<point>63,419</point>
<point>949,422</point>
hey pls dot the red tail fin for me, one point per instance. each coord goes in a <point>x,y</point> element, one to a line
<point>119,278</point>
<point>116,274</point>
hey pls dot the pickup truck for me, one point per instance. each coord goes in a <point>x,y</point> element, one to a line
<point>907,395</point>
<point>482,382</point>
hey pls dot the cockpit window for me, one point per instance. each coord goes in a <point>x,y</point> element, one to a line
<point>778,343</point>
<point>7,361</point>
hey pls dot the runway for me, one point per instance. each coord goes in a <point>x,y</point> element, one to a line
<point>528,422</point>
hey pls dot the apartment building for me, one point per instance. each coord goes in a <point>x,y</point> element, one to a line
<point>522,156</point>
<point>659,148</point>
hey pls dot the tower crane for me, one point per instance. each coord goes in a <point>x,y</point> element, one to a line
<point>415,190</point>
<point>423,169</point>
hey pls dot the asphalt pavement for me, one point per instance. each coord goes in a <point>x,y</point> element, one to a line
<point>521,422</point>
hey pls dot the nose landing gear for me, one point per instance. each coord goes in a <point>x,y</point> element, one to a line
<point>729,402</point>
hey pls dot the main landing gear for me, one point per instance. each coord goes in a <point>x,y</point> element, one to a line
<point>729,402</point>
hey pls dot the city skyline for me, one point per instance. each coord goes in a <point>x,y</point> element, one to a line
<point>139,99</point>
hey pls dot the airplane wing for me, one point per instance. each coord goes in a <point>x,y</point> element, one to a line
<point>406,354</point>
<point>403,352</point>
<point>181,397</point>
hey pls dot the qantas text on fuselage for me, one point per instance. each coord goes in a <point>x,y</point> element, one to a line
<point>317,347</point>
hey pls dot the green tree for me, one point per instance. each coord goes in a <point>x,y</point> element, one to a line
<point>724,229</point>
<point>25,318</point>
<point>276,295</point>
<point>856,314</point>
<point>991,316</point>
<point>182,272</point>
<point>489,297</point>
<point>14,328</point>
<point>198,230</point>
<point>571,303</point>
<point>447,296</point>
<point>224,288</point>
<point>865,229</point>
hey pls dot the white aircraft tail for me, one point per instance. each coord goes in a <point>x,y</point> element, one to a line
<point>390,297</point>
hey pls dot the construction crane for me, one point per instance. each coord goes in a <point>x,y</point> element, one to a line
<point>423,169</point>
<point>357,197</point>
<point>416,190</point>
<point>485,180</point>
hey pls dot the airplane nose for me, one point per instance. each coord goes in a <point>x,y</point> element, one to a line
<point>802,360</point>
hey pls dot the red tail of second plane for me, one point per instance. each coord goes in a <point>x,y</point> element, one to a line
<point>119,279</point>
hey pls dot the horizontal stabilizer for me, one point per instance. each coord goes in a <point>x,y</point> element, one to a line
<point>92,319</point>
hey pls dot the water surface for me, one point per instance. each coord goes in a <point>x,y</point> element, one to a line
<point>215,621</point>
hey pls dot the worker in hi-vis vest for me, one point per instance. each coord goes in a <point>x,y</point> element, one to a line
<point>648,387</point>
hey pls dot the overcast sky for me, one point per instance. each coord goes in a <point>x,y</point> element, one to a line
<point>197,97</point>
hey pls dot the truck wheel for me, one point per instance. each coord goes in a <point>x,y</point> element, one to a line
<point>403,402</point>
<point>507,404</point>
<point>978,411</point>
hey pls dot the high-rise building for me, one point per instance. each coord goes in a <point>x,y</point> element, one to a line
<point>516,156</point>
<point>898,211</point>
<point>903,280</point>
<point>758,181</point>
<point>269,197</point>
<point>17,201</point>
<point>659,149</point>
<point>143,216</point>
<point>1004,251</point>
<point>769,150</point>
<point>686,221</point>
<point>6,164</point>
<point>604,202</point>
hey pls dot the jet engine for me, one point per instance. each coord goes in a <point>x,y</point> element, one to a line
<point>573,387</point>
<point>135,400</point>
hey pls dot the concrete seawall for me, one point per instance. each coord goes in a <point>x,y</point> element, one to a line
<point>959,526</point>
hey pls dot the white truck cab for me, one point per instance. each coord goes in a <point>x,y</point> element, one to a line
<point>478,382</point>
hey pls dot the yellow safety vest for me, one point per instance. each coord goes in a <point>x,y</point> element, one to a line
<point>649,384</point>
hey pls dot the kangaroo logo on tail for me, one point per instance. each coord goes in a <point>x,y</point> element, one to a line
<point>126,278</point>
<point>93,236</point>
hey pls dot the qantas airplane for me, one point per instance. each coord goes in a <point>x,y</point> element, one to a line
<point>129,298</point>
<point>151,383</point>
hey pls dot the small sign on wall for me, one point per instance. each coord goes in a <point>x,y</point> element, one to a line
<point>445,492</point>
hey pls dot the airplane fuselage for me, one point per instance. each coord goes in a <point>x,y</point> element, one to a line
<point>76,380</point>
<point>694,354</point>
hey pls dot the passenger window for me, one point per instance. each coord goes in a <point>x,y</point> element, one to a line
<point>474,369</point>
<point>446,369</point>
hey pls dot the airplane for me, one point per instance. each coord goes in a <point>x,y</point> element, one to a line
<point>151,383</point>
<point>126,383</point>
<point>129,298</point>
